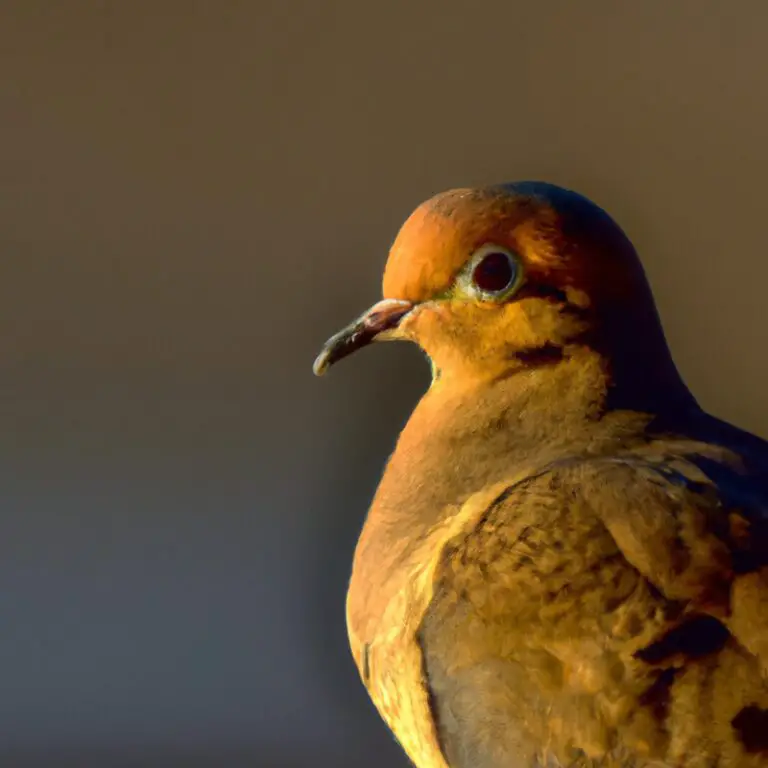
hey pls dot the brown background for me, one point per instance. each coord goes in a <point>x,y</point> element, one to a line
<point>193,195</point>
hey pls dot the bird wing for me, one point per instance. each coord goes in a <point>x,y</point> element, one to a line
<point>583,587</point>
<point>703,537</point>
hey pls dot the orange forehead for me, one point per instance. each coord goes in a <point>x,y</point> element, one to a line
<point>441,234</point>
<point>564,240</point>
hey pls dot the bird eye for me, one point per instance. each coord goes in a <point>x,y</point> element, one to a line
<point>494,271</point>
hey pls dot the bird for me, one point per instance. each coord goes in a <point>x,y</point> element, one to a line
<point>565,562</point>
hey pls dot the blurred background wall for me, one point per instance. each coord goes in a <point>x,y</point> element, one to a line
<point>193,196</point>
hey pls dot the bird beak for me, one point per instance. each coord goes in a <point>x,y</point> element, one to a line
<point>378,323</point>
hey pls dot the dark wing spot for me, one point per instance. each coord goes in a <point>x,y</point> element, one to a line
<point>366,669</point>
<point>657,696</point>
<point>752,726</point>
<point>699,636</point>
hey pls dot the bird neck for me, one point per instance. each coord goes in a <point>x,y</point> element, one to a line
<point>532,395</point>
<point>466,433</point>
<point>583,379</point>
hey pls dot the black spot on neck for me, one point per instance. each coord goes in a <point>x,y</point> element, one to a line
<point>531,358</point>
<point>535,357</point>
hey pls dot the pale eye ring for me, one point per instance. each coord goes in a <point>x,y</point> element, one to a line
<point>493,271</point>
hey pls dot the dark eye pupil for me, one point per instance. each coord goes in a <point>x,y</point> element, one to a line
<point>494,273</point>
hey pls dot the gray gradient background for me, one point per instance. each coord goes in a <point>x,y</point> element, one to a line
<point>193,195</point>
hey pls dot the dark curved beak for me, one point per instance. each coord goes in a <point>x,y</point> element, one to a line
<point>379,323</point>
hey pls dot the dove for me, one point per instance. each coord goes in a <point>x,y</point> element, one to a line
<point>565,561</point>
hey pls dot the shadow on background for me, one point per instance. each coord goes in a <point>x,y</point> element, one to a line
<point>193,196</point>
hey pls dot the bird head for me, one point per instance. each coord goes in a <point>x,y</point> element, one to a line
<point>500,280</point>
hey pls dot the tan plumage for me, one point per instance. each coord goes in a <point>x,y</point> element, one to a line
<point>565,561</point>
